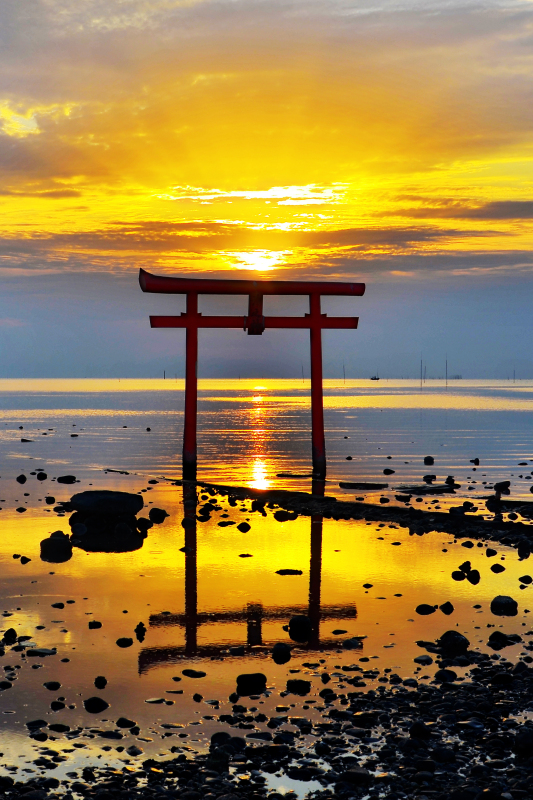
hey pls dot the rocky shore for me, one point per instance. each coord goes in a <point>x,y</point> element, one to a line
<point>453,739</point>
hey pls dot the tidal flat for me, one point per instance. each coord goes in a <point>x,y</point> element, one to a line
<point>122,657</point>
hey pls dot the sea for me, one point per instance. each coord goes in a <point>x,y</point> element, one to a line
<point>216,604</point>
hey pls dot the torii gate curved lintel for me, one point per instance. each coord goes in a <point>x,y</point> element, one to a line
<point>254,324</point>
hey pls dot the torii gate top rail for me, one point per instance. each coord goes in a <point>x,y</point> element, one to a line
<point>254,324</point>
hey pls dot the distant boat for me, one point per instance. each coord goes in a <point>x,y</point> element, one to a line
<point>374,378</point>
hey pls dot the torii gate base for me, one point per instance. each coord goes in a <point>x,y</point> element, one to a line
<point>254,323</point>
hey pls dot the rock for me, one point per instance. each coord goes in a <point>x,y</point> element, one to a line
<point>58,605</point>
<point>429,461</point>
<point>504,606</point>
<point>423,660</point>
<point>100,682</point>
<point>458,575</point>
<point>193,673</point>
<point>429,478</point>
<point>133,750</point>
<point>236,651</point>
<point>490,552</point>
<point>498,640</point>
<point>10,636</point>
<point>419,730</point>
<point>95,705</point>
<point>446,608</point>
<point>354,643</point>
<point>251,683</point>
<point>157,515</point>
<point>523,741</point>
<point>52,686</point>
<point>124,641</point>
<point>298,686</point>
<point>21,479</point>
<point>140,632</point>
<point>243,527</point>
<point>56,549</point>
<point>424,609</point>
<point>357,776</point>
<point>502,487</point>
<point>389,471</point>
<point>453,642</point>
<point>94,624</point>
<point>281,653</point>
<point>497,568</point>
<point>42,476</point>
<point>445,676</point>
<point>106,503</point>
<point>66,479</point>
<point>473,577</point>
<point>289,572</point>
<point>300,628</point>
<point>124,722</point>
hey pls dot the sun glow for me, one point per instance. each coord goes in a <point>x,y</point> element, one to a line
<point>259,472</point>
<point>260,260</point>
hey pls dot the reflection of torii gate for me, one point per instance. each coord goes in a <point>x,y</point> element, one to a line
<point>254,614</point>
<point>254,323</point>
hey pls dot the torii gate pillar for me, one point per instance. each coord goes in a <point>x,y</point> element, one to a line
<point>254,324</point>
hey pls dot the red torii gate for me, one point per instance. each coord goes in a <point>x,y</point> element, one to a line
<point>254,323</point>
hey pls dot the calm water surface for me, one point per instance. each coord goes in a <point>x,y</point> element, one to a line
<point>198,604</point>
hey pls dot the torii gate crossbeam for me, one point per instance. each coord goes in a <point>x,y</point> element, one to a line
<point>254,323</point>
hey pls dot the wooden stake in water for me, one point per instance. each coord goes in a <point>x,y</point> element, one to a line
<point>446,370</point>
<point>344,372</point>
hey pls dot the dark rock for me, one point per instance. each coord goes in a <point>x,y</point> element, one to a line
<point>498,640</point>
<point>357,776</point>
<point>243,527</point>
<point>124,641</point>
<point>66,479</point>
<point>497,568</point>
<point>106,503</point>
<point>157,515</point>
<point>453,642</point>
<point>502,487</point>
<point>281,653</point>
<point>300,628</point>
<point>100,682</point>
<point>419,730</point>
<point>56,549</point>
<point>445,676</point>
<point>10,636</point>
<point>58,605</point>
<point>429,461</point>
<point>298,686</point>
<point>95,705</point>
<point>289,572</point>
<point>124,722</point>
<point>458,575</point>
<point>429,478</point>
<point>354,643</point>
<point>193,673</point>
<point>389,471</point>
<point>58,727</point>
<point>504,606</point>
<point>94,624</point>
<point>251,683</point>
<point>523,741</point>
<point>424,609</point>
<point>473,577</point>
<point>42,476</point>
<point>447,608</point>
<point>21,479</point>
<point>52,686</point>
<point>140,632</point>
<point>527,579</point>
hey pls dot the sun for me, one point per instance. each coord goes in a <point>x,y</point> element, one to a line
<point>260,260</point>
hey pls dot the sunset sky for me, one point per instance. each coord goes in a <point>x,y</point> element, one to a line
<point>387,142</point>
